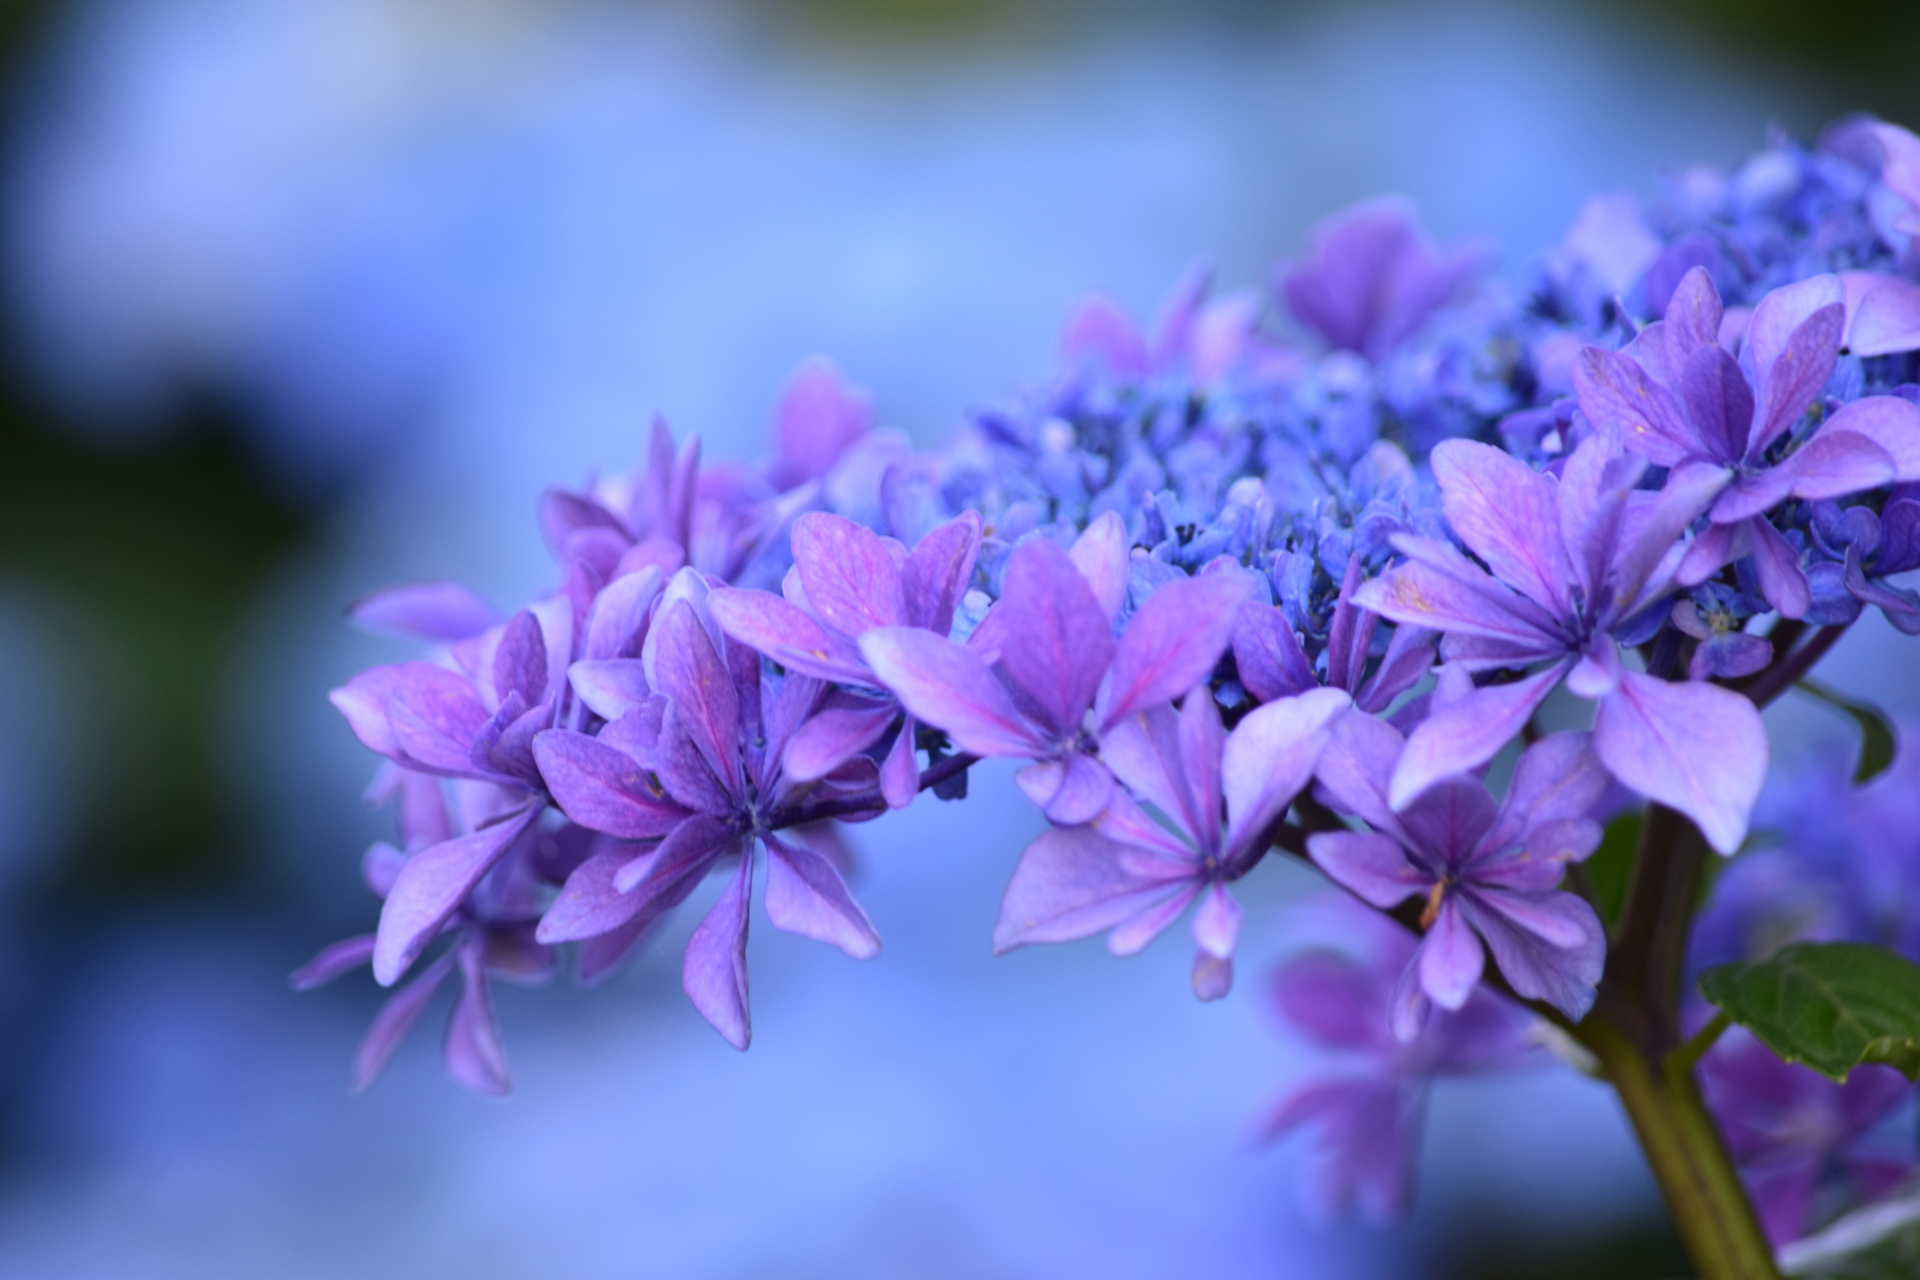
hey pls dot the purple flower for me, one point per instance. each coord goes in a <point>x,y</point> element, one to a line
<point>493,928</point>
<point>1367,1112</point>
<point>1868,549</point>
<point>819,417</point>
<point>1676,396</point>
<point>1130,874</point>
<point>1793,1133</point>
<point>695,772</point>
<point>1045,657</point>
<point>1486,870</point>
<point>1575,561</point>
<point>1272,663</point>
<point>1900,172</point>
<point>845,582</point>
<point>1205,339</point>
<point>1372,278</point>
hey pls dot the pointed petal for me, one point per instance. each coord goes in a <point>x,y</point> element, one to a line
<point>1793,377</point>
<point>1557,778</point>
<point>850,576</point>
<point>471,1050</point>
<point>817,419</point>
<point>1163,906</point>
<point>1368,863</point>
<point>1071,882</point>
<point>767,624</point>
<point>1693,318</point>
<point>1890,422</point>
<point>835,734</point>
<point>1070,791</point>
<point>435,718</point>
<point>431,887</point>
<point>1617,395</point>
<point>1173,642</point>
<point>1466,734</point>
<point>1056,639</point>
<point>1564,977</point>
<point>1506,513</point>
<point>714,973</point>
<point>935,574</point>
<point>805,895</point>
<point>395,1018</point>
<point>1267,654</point>
<point>948,686</point>
<point>1777,565</point>
<point>1834,464</point>
<point>333,960</point>
<point>616,624</point>
<point>610,687</point>
<point>1100,553</point>
<point>603,789</point>
<point>690,672</point>
<point>1697,748</point>
<point>899,771</point>
<point>1357,766</point>
<point>425,611</point>
<point>1719,403</point>
<point>1445,591</point>
<point>1202,741</point>
<point>1269,757</point>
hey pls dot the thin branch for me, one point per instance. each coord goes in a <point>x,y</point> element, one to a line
<point>1778,678</point>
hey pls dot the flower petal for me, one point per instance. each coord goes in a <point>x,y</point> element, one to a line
<point>1368,863</point>
<point>1697,748</point>
<point>603,789</point>
<point>935,573</point>
<point>1269,757</point>
<point>395,1018</point>
<point>805,895</point>
<point>1072,882</point>
<point>1100,553</point>
<point>1505,512</point>
<point>610,687</point>
<point>471,1050</point>
<point>948,686</point>
<point>1173,642</point>
<point>1617,395</point>
<point>767,624</point>
<point>1465,734</point>
<point>430,888</point>
<point>688,669</point>
<point>850,575</point>
<point>1056,638</point>
<point>425,611</point>
<point>1267,654</point>
<point>1534,967</point>
<point>1451,959</point>
<point>714,972</point>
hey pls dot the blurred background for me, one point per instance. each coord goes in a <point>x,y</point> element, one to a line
<point>304,297</point>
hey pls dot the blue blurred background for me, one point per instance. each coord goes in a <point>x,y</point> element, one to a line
<point>303,297</point>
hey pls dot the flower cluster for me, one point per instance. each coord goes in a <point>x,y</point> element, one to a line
<point>1312,571</point>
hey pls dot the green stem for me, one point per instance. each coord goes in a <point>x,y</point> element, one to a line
<point>1689,1160</point>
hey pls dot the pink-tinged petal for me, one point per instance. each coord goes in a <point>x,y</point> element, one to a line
<point>1507,515</point>
<point>1100,553</point>
<point>1221,334</point>
<point>1697,748</point>
<point>1216,923</point>
<point>1369,864</point>
<point>767,624</point>
<point>431,887</point>
<point>835,734</point>
<point>690,672</point>
<point>948,686</point>
<point>1900,168</point>
<point>611,687</point>
<point>1173,642</point>
<point>380,865</point>
<point>1795,376</point>
<point>817,419</point>
<point>805,895</point>
<point>685,774</point>
<point>1356,767</point>
<point>1131,936</point>
<point>1212,975</point>
<point>1777,565</point>
<point>1564,977</point>
<point>1888,421</point>
<point>435,718</point>
<point>1834,464</point>
<point>617,622</point>
<point>425,611</point>
<point>1693,318</point>
<point>850,575</point>
<point>1071,882</point>
<point>1100,332</point>
<point>1886,317</point>
<point>1056,639</point>
<point>1617,395</point>
<point>471,1050</point>
<point>603,789</point>
<point>520,661</point>
<point>1466,734</point>
<point>935,573</point>
<point>333,960</point>
<point>1451,959</point>
<point>1069,792</point>
<point>1267,654</point>
<point>714,973</point>
<point>899,771</point>
<point>363,701</point>
<point>1148,849</point>
<point>1779,315</point>
<point>1268,759</point>
<point>1443,590</point>
<point>395,1018</point>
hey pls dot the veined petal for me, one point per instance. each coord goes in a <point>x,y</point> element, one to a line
<point>935,573</point>
<point>1173,642</point>
<point>840,730</point>
<point>610,687</point>
<point>1794,376</point>
<point>603,789</point>
<point>1564,977</point>
<point>688,669</point>
<point>1466,734</point>
<point>1834,463</point>
<point>1451,959</point>
<point>1777,565</point>
<point>805,895</point>
<point>949,687</point>
<point>1888,421</point>
<point>1267,654</point>
<point>1557,778</point>
<point>1505,512</point>
<point>1356,767</point>
<point>767,624</point>
<point>1057,641</point>
<point>1370,864</point>
<point>430,888</point>
<point>1071,882</point>
<point>395,1018</point>
<point>1697,748</point>
<point>1459,597</point>
<point>616,624</point>
<point>1268,759</point>
<point>1100,553</point>
<point>471,1050</point>
<point>714,972</point>
<point>850,576</point>
<point>1617,395</point>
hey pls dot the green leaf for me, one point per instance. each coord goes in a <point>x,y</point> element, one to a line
<point>1611,866</point>
<point>1876,731</point>
<point>1830,1005</point>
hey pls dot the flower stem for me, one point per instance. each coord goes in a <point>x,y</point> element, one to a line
<point>1690,1162</point>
